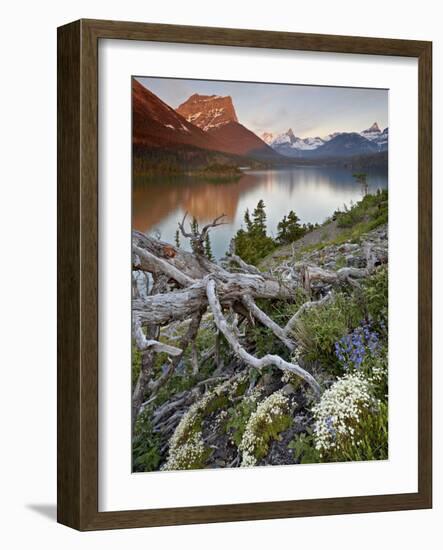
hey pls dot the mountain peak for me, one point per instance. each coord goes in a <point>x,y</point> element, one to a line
<point>373,128</point>
<point>267,137</point>
<point>208,111</point>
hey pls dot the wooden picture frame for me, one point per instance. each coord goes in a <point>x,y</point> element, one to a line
<point>78,274</point>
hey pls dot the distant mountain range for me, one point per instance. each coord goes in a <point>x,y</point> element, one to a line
<point>205,129</point>
<point>337,145</point>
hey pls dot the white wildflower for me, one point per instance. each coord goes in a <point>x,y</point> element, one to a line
<point>186,446</point>
<point>340,411</point>
<point>274,406</point>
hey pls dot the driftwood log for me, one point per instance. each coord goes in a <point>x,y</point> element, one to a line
<point>186,285</point>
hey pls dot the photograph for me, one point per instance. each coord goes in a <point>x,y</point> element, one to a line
<point>259,274</point>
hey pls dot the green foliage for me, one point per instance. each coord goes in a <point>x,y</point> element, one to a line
<point>146,454</point>
<point>376,368</point>
<point>304,448</point>
<point>176,384</point>
<point>188,449</point>
<point>248,221</point>
<point>270,431</point>
<point>259,219</point>
<point>177,238</point>
<point>238,418</point>
<point>252,248</point>
<point>289,229</point>
<point>319,328</point>
<point>350,422</point>
<point>184,160</point>
<point>370,439</point>
<point>252,244</point>
<point>372,208</point>
<point>351,233</point>
<point>208,248</point>
<point>340,262</point>
<point>194,226</point>
<point>263,341</point>
<point>272,416</point>
<point>185,380</point>
<point>260,338</point>
<point>375,295</point>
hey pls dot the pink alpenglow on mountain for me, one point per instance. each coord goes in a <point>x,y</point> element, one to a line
<point>208,111</point>
<point>216,116</point>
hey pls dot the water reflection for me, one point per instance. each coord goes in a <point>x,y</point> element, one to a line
<point>313,192</point>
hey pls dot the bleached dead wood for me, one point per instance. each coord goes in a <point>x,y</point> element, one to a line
<point>147,261</point>
<point>310,274</point>
<point>187,339</point>
<point>182,304</point>
<point>182,291</point>
<point>196,237</point>
<point>241,353</point>
<point>144,376</point>
<point>144,343</point>
<point>266,321</point>
<point>232,257</point>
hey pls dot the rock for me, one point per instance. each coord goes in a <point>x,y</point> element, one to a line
<point>266,379</point>
<point>300,423</point>
<point>288,389</point>
<point>355,261</point>
<point>208,111</point>
<point>348,247</point>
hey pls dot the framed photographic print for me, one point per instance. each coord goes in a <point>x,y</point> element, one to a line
<point>244,275</point>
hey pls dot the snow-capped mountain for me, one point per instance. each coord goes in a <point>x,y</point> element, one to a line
<point>375,135</point>
<point>210,123</point>
<point>268,137</point>
<point>289,144</point>
<point>371,140</point>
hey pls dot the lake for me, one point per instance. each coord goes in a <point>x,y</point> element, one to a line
<point>313,192</point>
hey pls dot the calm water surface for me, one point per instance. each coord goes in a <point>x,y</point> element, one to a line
<point>312,192</point>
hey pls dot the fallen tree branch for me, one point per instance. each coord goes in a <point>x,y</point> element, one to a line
<point>247,268</point>
<point>189,337</point>
<point>307,305</point>
<point>266,321</point>
<point>344,274</point>
<point>147,261</point>
<point>161,309</point>
<point>143,377</point>
<point>267,360</point>
<point>184,261</point>
<point>144,344</point>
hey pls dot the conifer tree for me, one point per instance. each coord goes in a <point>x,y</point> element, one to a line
<point>259,219</point>
<point>251,243</point>
<point>289,229</point>
<point>208,248</point>
<point>194,226</point>
<point>248,221</point>
<point>177,238</point>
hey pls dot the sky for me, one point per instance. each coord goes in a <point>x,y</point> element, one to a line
<point>309,110</point>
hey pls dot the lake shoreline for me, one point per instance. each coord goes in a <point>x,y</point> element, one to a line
<point>312,192</point>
